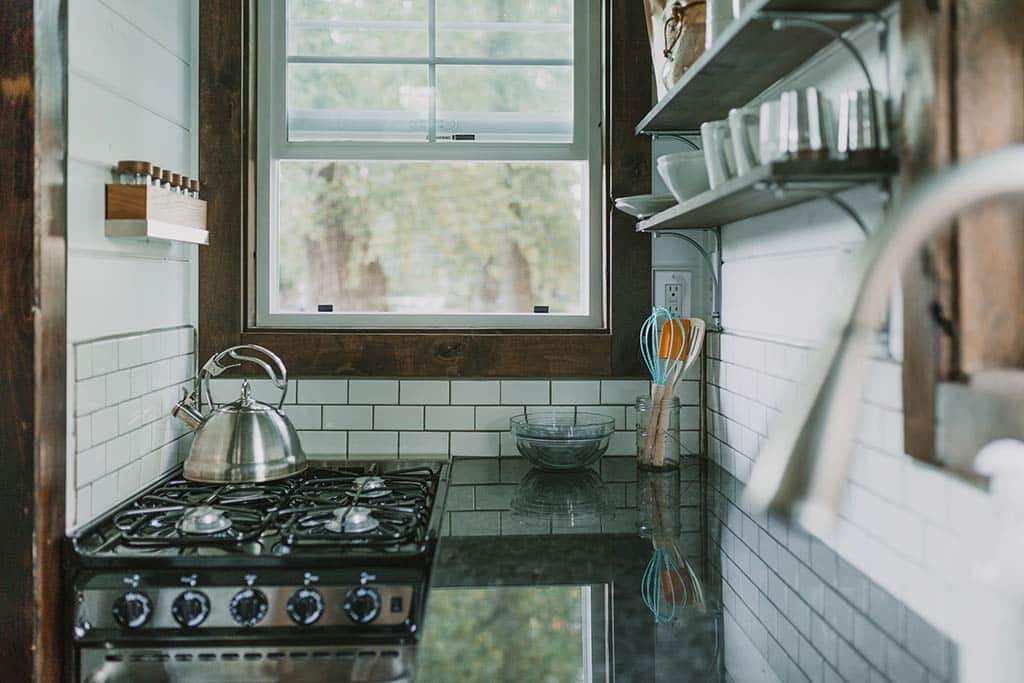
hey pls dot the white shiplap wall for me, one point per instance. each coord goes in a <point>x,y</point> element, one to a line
<point>132,95</point>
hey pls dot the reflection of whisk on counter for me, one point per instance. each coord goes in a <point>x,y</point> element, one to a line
<point>670,582</point>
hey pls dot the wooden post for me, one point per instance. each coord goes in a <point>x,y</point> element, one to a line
<point>33,345</point>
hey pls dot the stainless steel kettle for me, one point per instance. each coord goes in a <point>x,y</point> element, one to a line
<point>243,441</point>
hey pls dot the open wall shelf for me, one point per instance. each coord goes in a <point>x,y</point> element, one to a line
<point>769,188</point>
<point>749,57</point>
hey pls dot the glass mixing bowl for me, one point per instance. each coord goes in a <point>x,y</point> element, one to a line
<point>562,440</point>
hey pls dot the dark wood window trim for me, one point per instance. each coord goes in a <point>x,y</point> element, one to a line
<point>33,337</point>
<point>227,175</point>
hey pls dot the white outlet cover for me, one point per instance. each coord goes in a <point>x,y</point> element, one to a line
<point>669,276</point>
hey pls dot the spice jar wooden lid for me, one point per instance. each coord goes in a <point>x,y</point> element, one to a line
<point>175,180</point>
<point>165,176</point>
<point>154,172</point>
<point>133,167</point>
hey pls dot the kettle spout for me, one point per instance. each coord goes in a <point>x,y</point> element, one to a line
<point>185,411</point>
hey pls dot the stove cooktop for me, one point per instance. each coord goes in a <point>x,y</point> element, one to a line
<point>354,510</point>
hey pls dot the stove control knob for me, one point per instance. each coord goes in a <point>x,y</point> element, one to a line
<point>191,608</point>
<point>306,606</point>
<point>248,607</point>
<point>133,609</point>
<point>362,604</point>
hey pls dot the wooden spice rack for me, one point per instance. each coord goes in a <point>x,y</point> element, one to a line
<point>146,212</point>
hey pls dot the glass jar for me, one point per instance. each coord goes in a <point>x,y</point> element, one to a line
<point>193,188</point>
<point>165,180</point>
<point>154,176</point>
<point>658,501</point>
<point>176,183</point>
<point>661,450</point>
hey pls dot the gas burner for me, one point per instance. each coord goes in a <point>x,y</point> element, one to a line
<point>352,520</point>
<point>203,520</point>
<point>369,487</point>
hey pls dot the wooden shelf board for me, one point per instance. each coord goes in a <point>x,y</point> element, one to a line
<point>749,57</point>
<point>750,195</point>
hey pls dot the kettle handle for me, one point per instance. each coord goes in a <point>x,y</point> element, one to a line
<point>214,367</point>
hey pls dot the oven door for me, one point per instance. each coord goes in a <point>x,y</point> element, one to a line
<point>251,664</point>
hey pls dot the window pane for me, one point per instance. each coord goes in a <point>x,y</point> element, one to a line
<point>504,634</point>
<point>357,28</point>
<point>505,103</point>
<point>431,237</point>
<point>531,29</point>
<point>358,102</point>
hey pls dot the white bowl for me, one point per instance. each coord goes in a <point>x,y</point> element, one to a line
<point>685,174</point>
<point>645,205</point>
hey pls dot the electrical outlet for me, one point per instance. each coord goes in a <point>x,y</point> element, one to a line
<point>674,299</point>
<point>672,290</point>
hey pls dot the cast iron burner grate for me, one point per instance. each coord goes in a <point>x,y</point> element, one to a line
<point>160,518</point>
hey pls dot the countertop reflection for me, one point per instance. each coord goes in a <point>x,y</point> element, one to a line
<point>540,576</point>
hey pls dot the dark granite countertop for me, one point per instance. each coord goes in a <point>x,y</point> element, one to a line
<point>538,577</point>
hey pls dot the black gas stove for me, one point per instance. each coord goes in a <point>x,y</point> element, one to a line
<point>321,575</point>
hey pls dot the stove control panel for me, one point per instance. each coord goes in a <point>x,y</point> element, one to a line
<point>249,603</point>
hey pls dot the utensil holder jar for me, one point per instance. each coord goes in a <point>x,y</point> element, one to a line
<point>665,452</point>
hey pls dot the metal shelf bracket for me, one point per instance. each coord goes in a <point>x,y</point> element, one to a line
<point>841,204</point>
<point>713,259</point>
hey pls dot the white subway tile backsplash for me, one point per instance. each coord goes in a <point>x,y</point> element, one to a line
<point>140,380</point>
<point>104,357</point>
<point>496,417</point>
<point>474,444</point>
<point>83,362</point>
<point>525,392</point>
<point>373,391</point>
<point>324,391</point>
<point>124,436</point>
<point>324,443</point>
<point>379,444</point>
<point>624,392</point>
<point>423,392</point>
<point>304,417</point>
<point>91,465</point>
<point>129,416</point>
<point>348,417</point>
<point>575,392</point>
<point>398,417</point>
<point>129,352</point>
<point>476,392</point>
<point>104,425</point>
<point>118,387</point>
<point>91,395</point>
<point>422,443</point>
<point>450,417</point>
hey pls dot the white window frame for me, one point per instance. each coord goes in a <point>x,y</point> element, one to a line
<point>273,147</point>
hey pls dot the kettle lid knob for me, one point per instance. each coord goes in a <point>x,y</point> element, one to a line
<point>246,399</point>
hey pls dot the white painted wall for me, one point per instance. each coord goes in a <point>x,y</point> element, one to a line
<point>132,95</point>
<point>913,529</point>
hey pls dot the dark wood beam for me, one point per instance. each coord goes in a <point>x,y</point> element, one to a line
<point>33,347</point>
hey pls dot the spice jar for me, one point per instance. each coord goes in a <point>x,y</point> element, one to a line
<point>183,186</point>
<point>176,182</point>
<point>133,172</point>
<point>165,180</point>
<point>154,176</point>
<point>664,452</point>
<point>193,188</point>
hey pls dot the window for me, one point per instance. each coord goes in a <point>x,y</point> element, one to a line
<point>429,164</point>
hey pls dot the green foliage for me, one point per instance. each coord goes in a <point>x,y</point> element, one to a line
<point>484,236</point>
<point>502,634</point>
